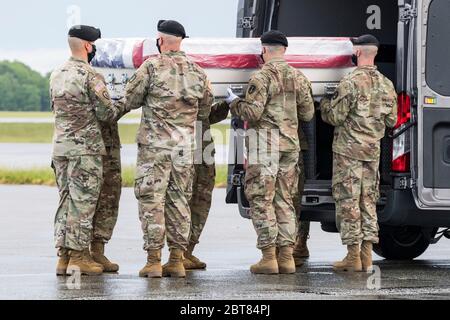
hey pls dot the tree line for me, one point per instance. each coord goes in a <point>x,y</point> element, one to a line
<point>23,89</point>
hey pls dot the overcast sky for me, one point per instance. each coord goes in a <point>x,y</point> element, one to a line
<point>35,32</point>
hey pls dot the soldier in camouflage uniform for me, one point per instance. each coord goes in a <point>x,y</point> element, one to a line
<point>301,251</point>
<point>203,185</point>
<point>80,100</point>
<point>365,103</point>
<point>107,212</point>
<point>173,92</point>
<point>278,98</point>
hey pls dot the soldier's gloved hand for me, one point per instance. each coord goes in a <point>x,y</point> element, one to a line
<point>231,96</point>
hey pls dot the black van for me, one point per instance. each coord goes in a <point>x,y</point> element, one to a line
<point>415,161</point>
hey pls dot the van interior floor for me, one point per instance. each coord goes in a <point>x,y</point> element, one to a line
<point>319,161</point>
<point>319,158</point>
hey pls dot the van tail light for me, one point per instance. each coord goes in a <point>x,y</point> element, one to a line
<point>402,163</point>
<point>401,155</point>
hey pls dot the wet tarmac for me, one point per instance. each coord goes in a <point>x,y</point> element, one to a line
<point>27,261</point>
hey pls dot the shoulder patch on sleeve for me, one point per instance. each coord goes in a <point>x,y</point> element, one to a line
<point>251,89</point>
<point>106,95</point>
<point>336,94</point>
<point>99,87</point>
<point>133,78</point>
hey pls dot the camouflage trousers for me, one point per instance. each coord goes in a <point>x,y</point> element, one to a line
<point>270,191</point>
<point>105,217</point>
<point>200,204</point>
<point>163,188</point>
<point>356,192</point>
<point>303,226</point>
<point>79,181</point>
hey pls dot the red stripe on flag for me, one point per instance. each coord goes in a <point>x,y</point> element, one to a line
<point>252,61</point>
<point>319,62</point>
<point>138,54</point>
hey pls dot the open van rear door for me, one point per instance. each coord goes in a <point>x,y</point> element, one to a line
<point>433,104</point>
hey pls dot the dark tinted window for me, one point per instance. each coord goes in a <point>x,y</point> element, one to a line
<point>346,18</point>
<point>343,18</point>
<point>438,47</point>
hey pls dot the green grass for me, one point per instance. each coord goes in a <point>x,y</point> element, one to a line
<point>43,133</point>
<point>127,133</point>
<point>47,115</point>
<point>128,174</point>
<point>36,115</point>
<point>221,176</point>
<point>32,176</point>
<point>26,132</point>
<point>46,177</point>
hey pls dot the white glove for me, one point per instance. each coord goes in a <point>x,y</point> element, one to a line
<point>231,96</point>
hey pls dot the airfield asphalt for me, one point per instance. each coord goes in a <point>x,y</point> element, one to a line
<point>228,246</point>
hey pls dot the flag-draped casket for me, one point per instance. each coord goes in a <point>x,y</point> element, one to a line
<point>229,62</point>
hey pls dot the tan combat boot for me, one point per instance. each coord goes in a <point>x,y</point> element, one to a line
<point>79,262</point>
<point>153,268</point>
<point>301,252</point>
<point>63,262</point>
<point>88,257</point>
<point>366,256</point>
<point>286,263</point>
<point>268,263</point>
<point>175,268</point>
<point>98,255</point>
<point>191,262</point>
<point>352,262</point>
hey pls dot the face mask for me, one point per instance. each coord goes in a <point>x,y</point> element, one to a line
<point>355,59</point>
<point>158,45</point>
<point>262,58</point>
<point>91,54</point>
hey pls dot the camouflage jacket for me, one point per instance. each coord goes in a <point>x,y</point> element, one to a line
<point>364,103</point>
<point>219,113</point>
<point>173,92</point>
<point>204,138</point>
<point>278,97</point>
<point>304,145</point>
<point>110,135</point>
<point>80,100</point>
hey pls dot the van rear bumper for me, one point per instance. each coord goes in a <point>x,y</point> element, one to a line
<point>400,210</point>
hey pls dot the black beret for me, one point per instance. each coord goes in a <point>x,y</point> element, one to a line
<point>274,37</point>
<point>366,40</point>
<point>87,33</point>
<point>172,27</point>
